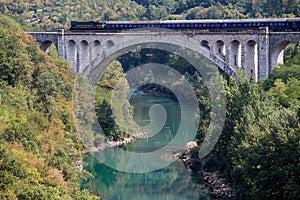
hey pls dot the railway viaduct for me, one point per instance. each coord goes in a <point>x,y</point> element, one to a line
<point>255,51</point>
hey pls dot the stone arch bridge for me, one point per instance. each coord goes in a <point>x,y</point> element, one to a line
<point>255,51</point>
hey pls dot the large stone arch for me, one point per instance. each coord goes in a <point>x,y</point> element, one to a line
<point>122,44</point>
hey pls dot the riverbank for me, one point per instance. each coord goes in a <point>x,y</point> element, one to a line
<point>112,144</point>
<point>220,189</point>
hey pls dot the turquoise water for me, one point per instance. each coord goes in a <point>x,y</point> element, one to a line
<point>173,182</point>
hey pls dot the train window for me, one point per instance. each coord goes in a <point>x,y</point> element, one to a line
<point>117,25</point>
<point>173,25</point>
<point>196,25</point>
<point>188,25</point>
<point>271,24</point>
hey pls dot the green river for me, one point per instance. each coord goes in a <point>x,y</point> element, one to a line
<point>173,182</point>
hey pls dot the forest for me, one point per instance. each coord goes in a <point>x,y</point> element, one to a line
<point>257,153</point>
<point>53,14</point>
<point>39,145</point>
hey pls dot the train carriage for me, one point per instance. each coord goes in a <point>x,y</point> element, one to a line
<point>277,24</point>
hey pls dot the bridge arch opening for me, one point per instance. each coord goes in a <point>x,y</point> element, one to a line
<point>205,44</point>
<point>291,50</point>
<point>219,48</point>
<point>109,44</point>
<point>96,49</point>
<point>94,71</point>
<point>277,56</point>
<point>281,51</point>
<point>251,59</point>
<point>84,54</point>
<point>72,54</point>
<point>45,45</point>
<point>235,51</point>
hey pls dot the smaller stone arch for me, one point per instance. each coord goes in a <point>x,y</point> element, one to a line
<point>235,51</point>
<point>96,43</point>
<point>109,44</point>
<point>84,54</point>
<point>278,53</point>
<point>219,48</point>
<point>45,45</point>
<point>205,44</point>
<point>72,54</point>
<point>251,59</point>
<point>96,50</point>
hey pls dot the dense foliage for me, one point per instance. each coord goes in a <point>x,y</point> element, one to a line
<point>258,151</point>
<point>39,145</point>
<point>114,129</point>
<point>51,14</point>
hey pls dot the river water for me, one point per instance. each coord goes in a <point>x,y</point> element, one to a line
<point>173,182</point>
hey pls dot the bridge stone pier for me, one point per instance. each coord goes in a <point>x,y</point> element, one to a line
<point>255,51</point>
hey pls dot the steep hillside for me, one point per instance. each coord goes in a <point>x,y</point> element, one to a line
<point>39,146</point>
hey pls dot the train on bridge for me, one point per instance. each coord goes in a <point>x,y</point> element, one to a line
<point>276,24</point>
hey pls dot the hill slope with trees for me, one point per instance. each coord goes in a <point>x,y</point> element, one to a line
<point>39,145</point>
<point>53,14</point>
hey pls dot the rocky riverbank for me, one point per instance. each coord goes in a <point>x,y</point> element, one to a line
<point>218,186</point>
<point>111,144</point>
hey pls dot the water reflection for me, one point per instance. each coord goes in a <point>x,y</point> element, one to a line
<point>173,182</point>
